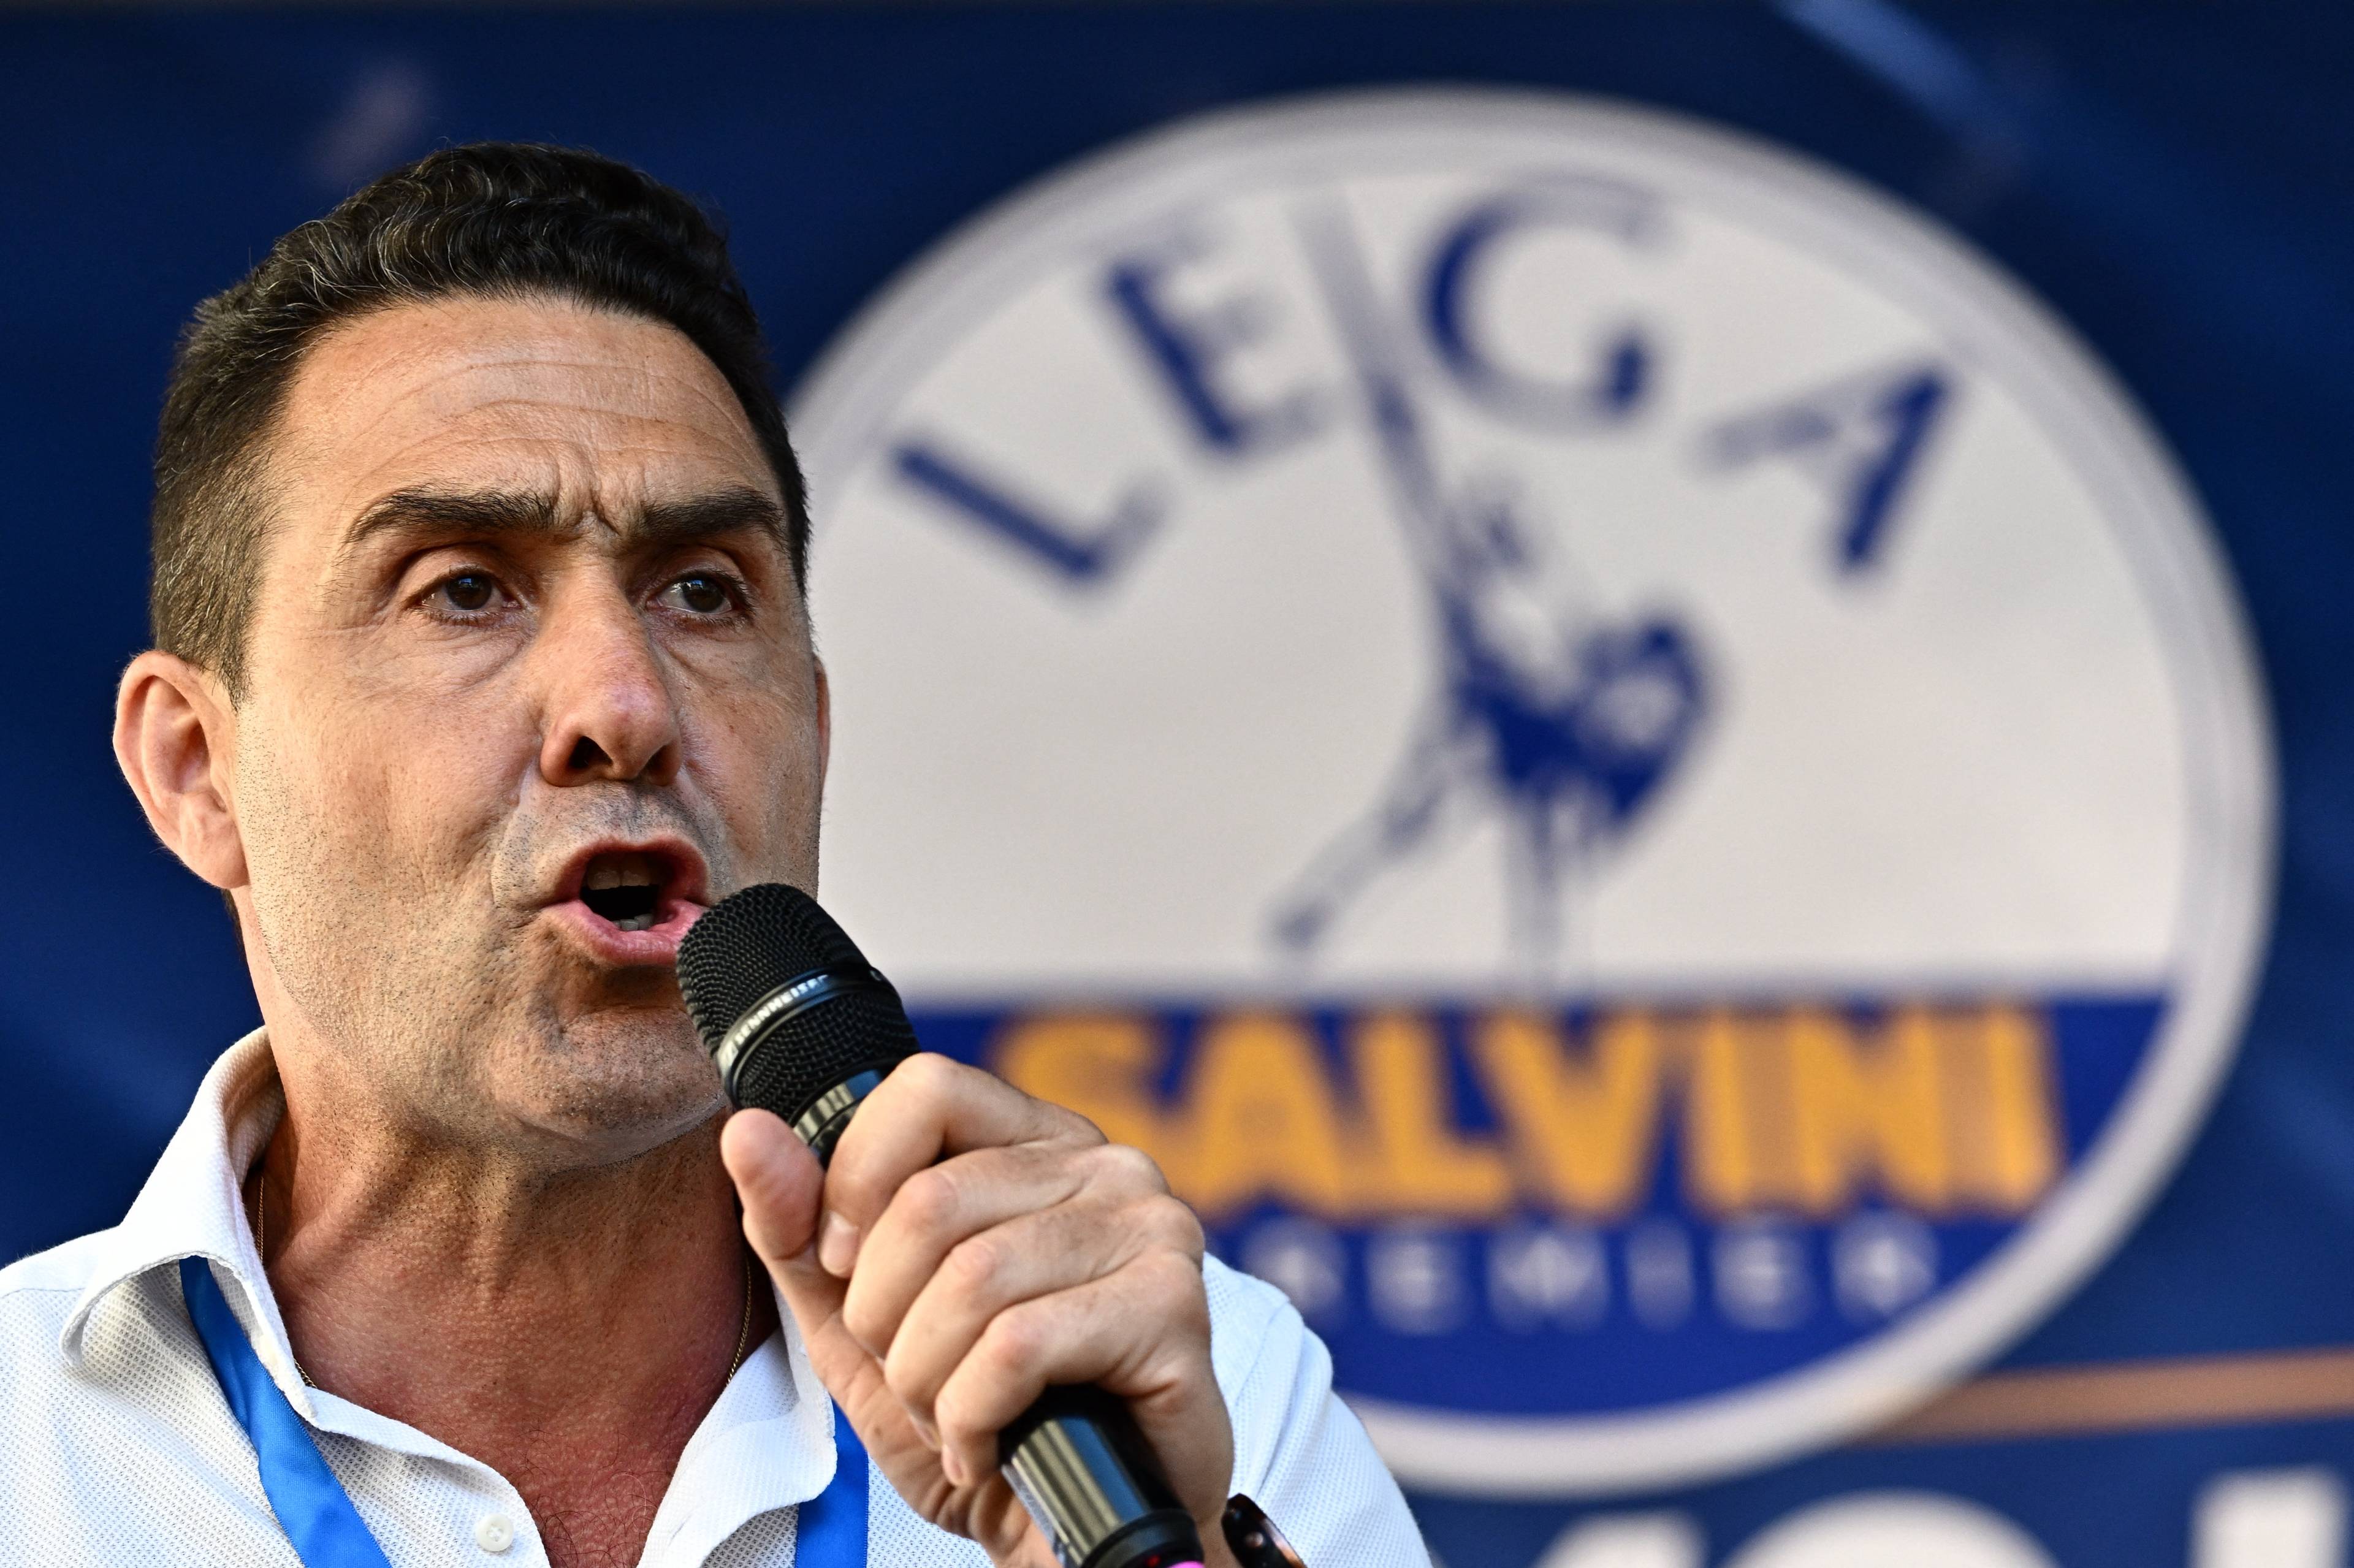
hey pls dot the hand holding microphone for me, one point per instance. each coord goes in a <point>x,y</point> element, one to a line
<point>1002,1302</point>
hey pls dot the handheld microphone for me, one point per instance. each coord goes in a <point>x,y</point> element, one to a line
<point>802,1024</point>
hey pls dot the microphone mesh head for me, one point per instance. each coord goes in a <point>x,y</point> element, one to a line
<point>749,944</point>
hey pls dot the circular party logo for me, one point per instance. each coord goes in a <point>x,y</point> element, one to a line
<point>1629,765</point>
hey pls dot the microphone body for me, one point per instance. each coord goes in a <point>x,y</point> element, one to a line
<point>800,1024</point>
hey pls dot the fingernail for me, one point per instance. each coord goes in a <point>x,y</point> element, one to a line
<point>924,1430</point>
<point>837,1245</point>
<point>952,1467</point>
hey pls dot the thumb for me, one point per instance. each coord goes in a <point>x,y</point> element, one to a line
<point>782,1186</point>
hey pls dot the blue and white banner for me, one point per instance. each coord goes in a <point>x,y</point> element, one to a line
<point>1660,692</point>
<point>1629,764</point>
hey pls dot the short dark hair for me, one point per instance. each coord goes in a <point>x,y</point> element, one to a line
<point>501,220</point>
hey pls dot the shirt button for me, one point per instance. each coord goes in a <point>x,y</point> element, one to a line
<point>494,1533</point>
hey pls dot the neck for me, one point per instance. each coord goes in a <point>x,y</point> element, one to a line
<point>569,1328</point>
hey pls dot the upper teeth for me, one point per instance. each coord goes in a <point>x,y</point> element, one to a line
<point>622,871</point>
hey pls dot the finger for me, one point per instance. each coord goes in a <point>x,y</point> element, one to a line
<point>1034,1255</point>
<point>1142,1334</point>
<point>940,1207</point>
<point>779,1181</point>
<point>928,1106</point>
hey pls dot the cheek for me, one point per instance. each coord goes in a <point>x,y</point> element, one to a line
<point>397,793</point>
<point>757,748</point>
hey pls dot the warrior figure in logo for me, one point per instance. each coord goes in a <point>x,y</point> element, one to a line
<point>1563,726</point>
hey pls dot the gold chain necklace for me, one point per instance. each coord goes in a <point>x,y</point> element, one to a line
<point>261,1248</point>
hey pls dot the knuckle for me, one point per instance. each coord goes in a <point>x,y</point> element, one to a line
<point>851,1189</point>
<point>1068,1126</point>
<point>1076,1129</point>
<point>956,1414</point>
<point>1118,1167</point>
<point>1177,1228</point>
<point>931,1199</point>
<point>1016,1340</point>
<point>865,1322</point>
<point>971,1265</point>
<point>1176,1280</point>
<point>928,1076</point>
<point>907,1382</point>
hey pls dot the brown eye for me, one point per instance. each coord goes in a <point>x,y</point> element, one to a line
<point>469,591</point>
<point>703,594</point>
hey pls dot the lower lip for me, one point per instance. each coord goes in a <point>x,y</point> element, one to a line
<point>656,944</point>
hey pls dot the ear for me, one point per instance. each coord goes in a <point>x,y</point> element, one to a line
<point>175,735</point>
<point>824,723</point>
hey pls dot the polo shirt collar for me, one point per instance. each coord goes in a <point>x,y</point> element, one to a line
<point>766,1443</point>
<point>193,1205</point>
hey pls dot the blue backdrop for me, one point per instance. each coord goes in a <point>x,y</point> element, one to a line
<point>2177,180</point>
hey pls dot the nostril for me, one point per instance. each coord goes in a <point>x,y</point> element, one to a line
<point>586,755</point>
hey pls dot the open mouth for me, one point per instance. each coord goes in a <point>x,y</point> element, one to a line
<point>629,903</point>
<point>625,889</point>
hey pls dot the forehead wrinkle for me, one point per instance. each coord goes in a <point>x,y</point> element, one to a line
<point>629,385</point>
<point>718,399</point>
<point>543,418</point>
<point>602,474</point>
<point>583,419</point>
<point>430,371</point>
<point>554,426</point>
<point>645,386</point>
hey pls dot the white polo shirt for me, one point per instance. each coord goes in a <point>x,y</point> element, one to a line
<point>117,1445</point>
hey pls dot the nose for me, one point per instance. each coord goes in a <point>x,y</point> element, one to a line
<point>609,714</point>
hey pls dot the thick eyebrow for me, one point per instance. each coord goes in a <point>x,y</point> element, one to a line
<point>454,512</point>
<point>734,509</point>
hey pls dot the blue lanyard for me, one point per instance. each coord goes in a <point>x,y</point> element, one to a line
<point>317,1514</point>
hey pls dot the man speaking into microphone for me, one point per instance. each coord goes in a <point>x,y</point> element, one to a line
<point>481,668</point>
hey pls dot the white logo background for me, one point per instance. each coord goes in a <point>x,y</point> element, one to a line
<point>1141,640</point>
